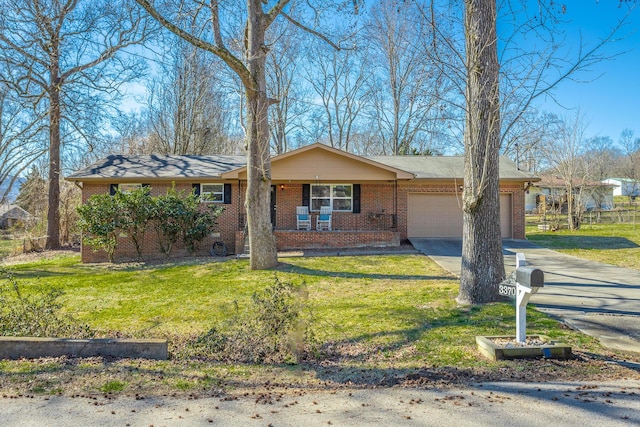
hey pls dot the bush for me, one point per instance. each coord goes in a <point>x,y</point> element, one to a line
<point>35,315</point>
<point>198,224</point>
<point>275,328</point>
<point>168,210</point>
<point>100,218</point>
<point>136,212</point>
<point>178,214</point>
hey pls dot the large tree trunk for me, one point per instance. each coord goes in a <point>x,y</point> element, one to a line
<point>482,261</point>
<point>258,198</point>
<point>53,212</point>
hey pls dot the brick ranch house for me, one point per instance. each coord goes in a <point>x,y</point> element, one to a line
<point>375,200</point>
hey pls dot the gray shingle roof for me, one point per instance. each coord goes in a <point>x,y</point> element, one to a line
<point>141,167</point>
<point>446,167</point>
<point>13,212</point>
<point>159,167</point>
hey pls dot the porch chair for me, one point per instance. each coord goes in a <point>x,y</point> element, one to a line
<point>303,218</point>
<point>324,219</point>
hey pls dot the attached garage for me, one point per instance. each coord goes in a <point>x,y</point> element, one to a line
<point>440,215</point>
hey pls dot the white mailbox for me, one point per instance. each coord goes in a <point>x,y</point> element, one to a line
<point>528,281</point>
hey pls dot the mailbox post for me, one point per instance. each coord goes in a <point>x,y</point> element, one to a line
<point>528,281</point>
<point>521,261</point>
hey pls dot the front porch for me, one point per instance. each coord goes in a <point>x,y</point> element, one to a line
<point>287,240</point>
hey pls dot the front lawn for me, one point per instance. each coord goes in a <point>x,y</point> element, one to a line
<point>375,318</point>
<point>374,302</point>
<point>616,244</point>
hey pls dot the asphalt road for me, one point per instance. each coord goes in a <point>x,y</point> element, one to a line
<point>487,404</point>
<point>598,299</point>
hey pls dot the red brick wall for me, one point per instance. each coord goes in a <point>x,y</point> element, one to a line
<point>517,205</point>
<point>366,229</point>
<point>227,225</point>
<point>294,240</point>
<point>374,198</point>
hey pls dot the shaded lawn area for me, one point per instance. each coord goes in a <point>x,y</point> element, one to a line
<point>616,244</point>
<point>380,320</point>
<point>399,307</point>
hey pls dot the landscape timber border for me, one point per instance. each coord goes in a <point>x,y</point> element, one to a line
<point>34,348</point>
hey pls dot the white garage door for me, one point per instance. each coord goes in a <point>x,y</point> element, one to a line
<point>440,215</point>
<point>433,215</point>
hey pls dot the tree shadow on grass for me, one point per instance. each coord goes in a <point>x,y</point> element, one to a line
<point>290,268</point>
<point>561,241</point>
<point>348,361</point>
<point>345,361</point>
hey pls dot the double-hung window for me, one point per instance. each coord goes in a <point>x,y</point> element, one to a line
<point>212,193</point>
<point>125,187</point>
<point>338,196</point>
<point>128,188</point>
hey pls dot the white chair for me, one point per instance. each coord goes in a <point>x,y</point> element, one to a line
<point>303,218</point>
<point>324,219</point>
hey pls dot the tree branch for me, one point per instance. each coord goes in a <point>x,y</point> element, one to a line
<point>311,31</point>
<point>230,59</point>
<point>215,24</point>
<point>276,10</point>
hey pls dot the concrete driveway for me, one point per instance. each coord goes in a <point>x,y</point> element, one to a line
<point>598,299</point>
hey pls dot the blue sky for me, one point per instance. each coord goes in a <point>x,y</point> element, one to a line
<point>611,103</point>
<point>608,93</point>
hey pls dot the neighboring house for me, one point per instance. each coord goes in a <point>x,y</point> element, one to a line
<point>375,201</point>
<point>12,215</point>
<point>590,194</point>
<point>624,186</point>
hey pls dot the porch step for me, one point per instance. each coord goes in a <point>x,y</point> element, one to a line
<point>246,251</point>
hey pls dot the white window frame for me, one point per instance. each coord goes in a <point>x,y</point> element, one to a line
<point>205,196</point>
<point>331,197</point>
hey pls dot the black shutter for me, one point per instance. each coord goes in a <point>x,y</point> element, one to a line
<point>356,198</point>
<point>196,189</point>
<point>227,194</point>
<point>306,194</point>
<point>113,189</point>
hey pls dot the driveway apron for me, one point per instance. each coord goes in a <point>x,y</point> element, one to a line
<point>598,299</point>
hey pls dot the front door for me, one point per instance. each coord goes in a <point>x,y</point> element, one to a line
<point>273,206</point>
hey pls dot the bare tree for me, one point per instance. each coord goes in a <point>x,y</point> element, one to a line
<point>67,58</point>
<point>527,74</point>
<point>482,261</point>
<point>132,133</point>
<point>187,107</point>
<point>238,37</point>
<point>340,81</point>
<point>530,135</point>
<point>565,156</point>
<point>406,90</point>
<point>284,83</point>
<point>600,156</point>
<point>20,142</point>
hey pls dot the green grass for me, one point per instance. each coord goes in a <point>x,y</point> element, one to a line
<point>375,318</point>
<point>374,308</point>
<point>616,244</point>
<point>113,387</point>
